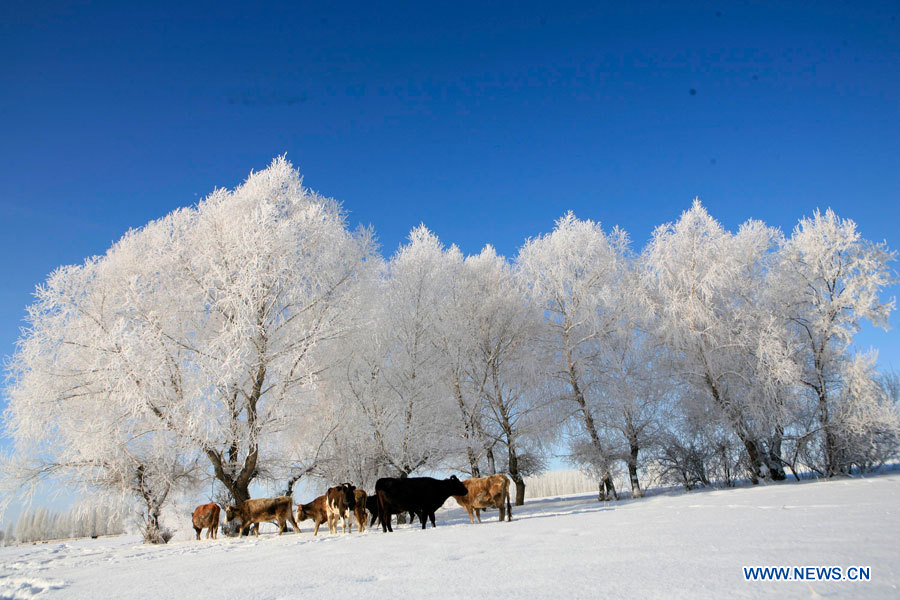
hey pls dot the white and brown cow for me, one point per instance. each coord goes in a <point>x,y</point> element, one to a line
<point>253,512</point>
<point>486,492</point>
<point>206,516</point>
<point>339,504</point>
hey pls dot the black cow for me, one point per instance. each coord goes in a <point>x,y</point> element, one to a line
<point>419,495</point>
<point>372,507</point>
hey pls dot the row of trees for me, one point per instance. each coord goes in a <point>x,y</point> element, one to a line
<point>44,524</point>
<point>255,338</point>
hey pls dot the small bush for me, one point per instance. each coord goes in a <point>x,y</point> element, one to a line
<point>158,536</point>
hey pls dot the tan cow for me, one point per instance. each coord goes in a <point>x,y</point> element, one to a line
<point>253,512</point>
<point>360,497</point>
<point>339,503</point>
<point>315,510</point>
<point>206,516</point>
<point>486,492</point>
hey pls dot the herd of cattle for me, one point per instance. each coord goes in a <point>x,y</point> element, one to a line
<point>419,496</point>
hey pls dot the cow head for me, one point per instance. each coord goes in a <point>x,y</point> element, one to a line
<point>230,513</point>
<point>456,487</point>
<point>304,512</point>
<point>349,496</point>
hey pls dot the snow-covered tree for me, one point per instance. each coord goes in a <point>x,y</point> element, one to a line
<point>635,383</point>
<point>392,374</point>
<point>455,340</point>
<point>830,280</point>
<point>571,275</point>
<point>502,367</point>
<point>198,335</point>
<point>82,387</point>
<point>708,291</point>
<point>864,420</point>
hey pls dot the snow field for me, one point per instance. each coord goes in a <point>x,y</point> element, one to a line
<point>680,545</point>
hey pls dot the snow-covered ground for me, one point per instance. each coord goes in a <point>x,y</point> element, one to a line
<point>680,545</point>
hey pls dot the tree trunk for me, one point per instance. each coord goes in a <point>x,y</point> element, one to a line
<point>238,487</point>
<point>758,459</point>
<point>238,483</point>
<point>492,463</point>
<point>473,463</point>
<point>830,449</point>
<point>468,433</point>
<point>636,491</point>
<point>758,468</point>
<point>832,467</point>
<point>289,488</point>
<point>607,488</point>
<point>516,476</point>
<point>776,463</point>
<point>520,491</point>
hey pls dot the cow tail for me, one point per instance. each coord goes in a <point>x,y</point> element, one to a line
<point>508,506</point>
<point>381,510</point>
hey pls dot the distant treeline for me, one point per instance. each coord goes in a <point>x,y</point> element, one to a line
<point>40,524</point>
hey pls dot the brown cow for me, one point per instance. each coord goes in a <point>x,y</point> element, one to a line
<point>206,515</point>
<point>253,512</point>
<point>315,510</point>
<point>339,503</point>
<point>360,497</point>
<point>485,492</point>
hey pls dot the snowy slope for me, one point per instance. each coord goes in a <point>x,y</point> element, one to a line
<point>690,545</point>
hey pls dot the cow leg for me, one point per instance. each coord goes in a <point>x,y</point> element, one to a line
<point>383,515</point>
<point>430,516</point>
<point>198,532</point>
<point>316,528</point>
<point>478,514</point>
<point>281,525</point>
<point>256,529</point>
<point>423,516</point>
<point>293,522</point>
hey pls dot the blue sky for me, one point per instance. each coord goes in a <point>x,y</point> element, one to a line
<point>485,123</point>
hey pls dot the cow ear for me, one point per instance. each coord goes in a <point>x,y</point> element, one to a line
<point>453,477</point>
